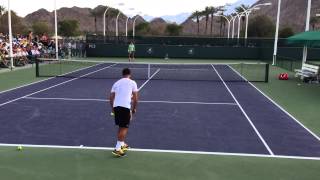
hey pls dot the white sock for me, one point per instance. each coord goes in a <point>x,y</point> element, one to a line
<point>118,146</point>
<point>122,143</point>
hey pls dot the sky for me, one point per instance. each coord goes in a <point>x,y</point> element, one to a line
<point>154,8</point>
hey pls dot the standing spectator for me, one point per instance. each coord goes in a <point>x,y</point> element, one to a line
<point>30,36</point>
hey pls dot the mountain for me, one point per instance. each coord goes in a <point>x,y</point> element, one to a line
<point>293,12</point>
<point>83,16</point>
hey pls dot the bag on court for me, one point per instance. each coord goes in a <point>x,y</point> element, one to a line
<point>284,76</point>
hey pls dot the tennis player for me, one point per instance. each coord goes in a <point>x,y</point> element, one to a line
<point>131,51</point>
<point>123,101</point>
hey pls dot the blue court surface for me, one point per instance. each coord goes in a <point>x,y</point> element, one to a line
<point>210,117</point>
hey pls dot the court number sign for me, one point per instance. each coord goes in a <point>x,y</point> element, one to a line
<point>92,46</point>
<point>191,51</point>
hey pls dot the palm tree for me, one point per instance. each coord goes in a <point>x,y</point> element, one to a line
<point>314,21</point>
<point>2,9</point>
<point>206,13</point>
<point>212,11</point>
<point>221,9</point>
<point>196,15</point>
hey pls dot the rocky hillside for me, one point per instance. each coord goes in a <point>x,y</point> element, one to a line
<point>293,14</point>
<point>83,16</point>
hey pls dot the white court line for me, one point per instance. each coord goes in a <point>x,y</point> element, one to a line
<point>244,113</point>
<point>64,82</point>
<point>165,151</point>
<point>47,79</point>
<point>276,104</point>
<point>164,102</point>
<point>148,79</point>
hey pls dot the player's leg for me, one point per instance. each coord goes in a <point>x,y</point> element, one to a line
<point>122,119</point>
<point>130,56</point>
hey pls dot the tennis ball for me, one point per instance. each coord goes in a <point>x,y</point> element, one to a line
<point>19,148</point>
<point>112,114</point>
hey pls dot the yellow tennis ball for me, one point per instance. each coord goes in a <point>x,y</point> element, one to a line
<point>112,114</point>
<point>19,148</point>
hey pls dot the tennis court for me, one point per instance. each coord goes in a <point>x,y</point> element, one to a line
<point>198,108</point>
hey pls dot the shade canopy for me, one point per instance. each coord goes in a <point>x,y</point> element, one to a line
<point>309,38</point>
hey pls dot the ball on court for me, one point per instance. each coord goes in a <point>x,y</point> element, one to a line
<point>112,114</point>
<point>19,148</point>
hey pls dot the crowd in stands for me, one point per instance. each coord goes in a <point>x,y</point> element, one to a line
<point>26,48</point>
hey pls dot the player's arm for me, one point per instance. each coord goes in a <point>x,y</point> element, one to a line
<point>134,101</point>
<point>111,99</point>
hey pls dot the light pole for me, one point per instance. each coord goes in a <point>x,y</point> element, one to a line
<point>134,25</point>
<point>305,48</point>
<point>117,19</point>
<point>233,20</point>
<point>239,15</point>
<point>275,50</point>
<point>130,9</point>
<point>117,28</point>
<point>104,21</point>
<point>229,22</point>
<point>10,36</point>
<point>56,29</point>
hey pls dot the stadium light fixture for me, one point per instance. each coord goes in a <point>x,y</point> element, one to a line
<point>305,48</point>
<point>131,10</point>
<point>134,24</point>
<point>104,21</point>
<point>228,20</point>
<point>56,29</point>
<point>247,12</point>
<point>117,20</point>
<point>10,36</point>
<point>275,49</point>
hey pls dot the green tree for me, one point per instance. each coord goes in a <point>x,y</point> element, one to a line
<point>286,32</point>
<point>16,22</point>
<point>261,26</point>
<point>314,21</point>
<point>143,29</point>
<point>2,10</point>
<point>196,15</point>
<point>173,30</point>
<point>69,28</point>
<point>40,28</point>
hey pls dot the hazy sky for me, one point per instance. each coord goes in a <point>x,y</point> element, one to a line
<point>149,7</point>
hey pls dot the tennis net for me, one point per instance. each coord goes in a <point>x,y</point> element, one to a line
<point>232,72</point>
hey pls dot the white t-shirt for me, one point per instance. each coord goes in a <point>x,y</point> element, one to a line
<point>123,89</point>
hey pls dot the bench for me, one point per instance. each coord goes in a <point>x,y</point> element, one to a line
<point>308,72</point>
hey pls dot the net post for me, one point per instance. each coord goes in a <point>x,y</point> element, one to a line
<point>37,67</point>
<point>267,73</point>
